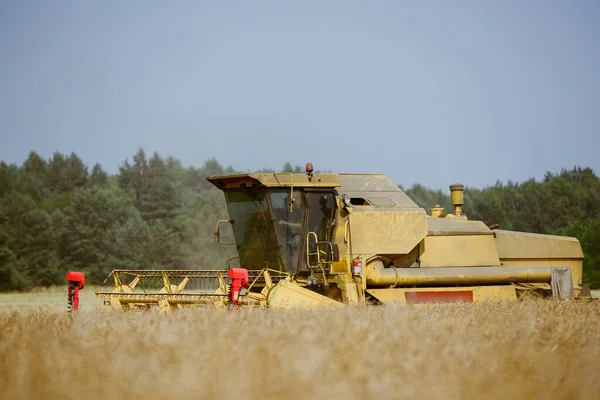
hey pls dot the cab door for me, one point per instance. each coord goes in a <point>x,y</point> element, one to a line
<point>320,208</point>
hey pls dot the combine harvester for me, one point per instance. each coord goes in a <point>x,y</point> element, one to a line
<point>332,239</point>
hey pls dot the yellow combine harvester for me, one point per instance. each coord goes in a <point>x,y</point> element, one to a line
<point>333,239</point>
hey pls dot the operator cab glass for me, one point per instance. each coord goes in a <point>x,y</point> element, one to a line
<point>253,228</point>
<point>271,225</point>
<point>289,219</point>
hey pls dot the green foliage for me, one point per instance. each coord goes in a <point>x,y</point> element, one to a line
<point>87,230</point>
<point>98,177</point>
<point>65,173</point>
<point>10,267</point>
<point>287,167</point>
<point>8,178</point>
<point>56,202</point>
<point>30,237</point>
<point>31,179</point>
<point>157,213</point>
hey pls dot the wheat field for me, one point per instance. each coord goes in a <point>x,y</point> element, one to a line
<point>531,349</point>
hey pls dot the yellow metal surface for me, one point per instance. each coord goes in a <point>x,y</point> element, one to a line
<point>376,189</point>
<point>458,199</point>
<point>458,251</point>
<point>494,293</point>
<point>121,288</point>
<point>350,288</point>
<point>449,227</point>
<point>575,266</point>
<point>438,212</point>
<point>480,293</point>
<point>523,245</point>
<point>156,289</point>
<point>368,183</point>
<point>457,194</point>
<point>275,179</point>
<point>350,291</point>
<point>387,231</point>
<point>288,294</point>
<point>379,276</point>
<point>521,248</point>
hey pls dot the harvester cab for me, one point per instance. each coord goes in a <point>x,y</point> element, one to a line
<point>285,224</point>
<point>324,239</point>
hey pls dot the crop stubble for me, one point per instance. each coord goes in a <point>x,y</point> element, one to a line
<point>507,350</point>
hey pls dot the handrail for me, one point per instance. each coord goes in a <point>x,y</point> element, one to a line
<point>217,234</point>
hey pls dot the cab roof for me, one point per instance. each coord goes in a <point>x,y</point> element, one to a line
<point>373,189</point>
<point>275,179</point>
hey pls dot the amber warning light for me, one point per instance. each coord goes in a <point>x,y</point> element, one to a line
<point>309,170</point>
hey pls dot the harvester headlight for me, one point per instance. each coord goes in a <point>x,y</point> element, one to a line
<point>346,200</point>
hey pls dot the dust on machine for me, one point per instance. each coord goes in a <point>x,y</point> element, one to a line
<point>332,240</point>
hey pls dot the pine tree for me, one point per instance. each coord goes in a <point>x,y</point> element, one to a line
<point>10,267</point>
<point>160,200</point>
<point>32,179</point>
<point>30,238</point>
<point>76,172</point>
<point>35,164</point>
<point>8,178</point>
<point>87,231</point>
<point>98,177</point>
<point>56,174</point>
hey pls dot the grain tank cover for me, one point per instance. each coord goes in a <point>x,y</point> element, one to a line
<point>456,227</point>
<point>383,219</point>
<point>375,189</point>
<point>524,245</point>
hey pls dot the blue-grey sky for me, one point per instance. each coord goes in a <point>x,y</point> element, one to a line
<point>426,91</point>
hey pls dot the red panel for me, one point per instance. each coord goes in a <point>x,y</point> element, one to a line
<point>240,274</point>
<point>76,277</point>
<point>438,297</point>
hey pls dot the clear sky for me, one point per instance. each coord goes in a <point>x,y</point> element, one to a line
<point>433,92</point>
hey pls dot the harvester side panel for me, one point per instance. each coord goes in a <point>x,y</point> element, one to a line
<point>470,294</point>
<point>459,251</point>
<point>521,248</point>
<point>386,231</point>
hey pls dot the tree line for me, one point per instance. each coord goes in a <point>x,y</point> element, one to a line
<point>58,215</point>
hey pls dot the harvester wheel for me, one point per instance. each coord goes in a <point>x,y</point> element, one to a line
<point>164,304</point>
<point>115,303</point>
<point>221,303</point>
<point>123,289</point>
<point>173,289</point>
